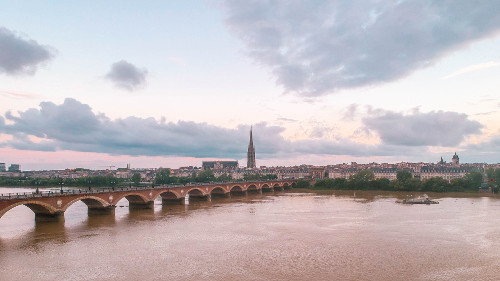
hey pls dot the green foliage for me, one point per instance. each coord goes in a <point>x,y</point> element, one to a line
<point>493,175</point>
<point>302,184</point>
<point>205,176</point>
<point>496,189</point>
<point>403,176</point>
<point>381,184</point>
<point>136,178</point>
<point>362,176</point>
<point>435,184</point>
<point>163,177</point>
<point>253,177</point>
<point>361,180</point>
<point>474,179</point>
<point>224,178</point>
<point>95,181</point>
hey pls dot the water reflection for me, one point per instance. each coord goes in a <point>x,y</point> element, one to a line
<point>273,236</point>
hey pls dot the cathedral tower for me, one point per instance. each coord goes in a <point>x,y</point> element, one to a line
<point>251,152</point>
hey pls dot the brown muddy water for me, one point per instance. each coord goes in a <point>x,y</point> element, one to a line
<point>276,236</point>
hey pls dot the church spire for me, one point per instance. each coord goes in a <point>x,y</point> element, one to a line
<point>251,152</point>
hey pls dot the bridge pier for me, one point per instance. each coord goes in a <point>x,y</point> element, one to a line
<point>255,191</point>
<point>140,205</point>
<point>47,217</point>
<point>200,197</point>
<point>178,201</point>
<point>110,210</point>
<point>221,195</point>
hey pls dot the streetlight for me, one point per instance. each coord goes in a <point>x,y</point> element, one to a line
<point>61,183</point>
<point>37,184</point>
<point>89,182</point>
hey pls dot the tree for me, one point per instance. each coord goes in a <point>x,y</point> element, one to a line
<point>205,176</point>
<point>403,176</point>
<point>136,178</point>
<point>363,176</point>
<point>302,184</point>
<point>381,184</point>
<point>474,179</point>
<point>361,180</point>
<point>436,184</point>
<point>163,177</point>
<point>224,177</point>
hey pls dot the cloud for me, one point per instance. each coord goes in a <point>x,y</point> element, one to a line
<point>472,68</point>
<point>350,112</point>
<point>284,119</point>
<point>435,128</point>
<point>127,76</point>
<point>21,55</point>
<point>73,126</point>
<point>315,48</point>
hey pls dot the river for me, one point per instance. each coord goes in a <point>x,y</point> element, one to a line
<point>276,236</point>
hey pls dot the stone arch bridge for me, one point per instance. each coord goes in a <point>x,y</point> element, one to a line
<point>50,206</point>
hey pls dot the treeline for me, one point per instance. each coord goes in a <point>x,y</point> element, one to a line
<point>94,181</point>
<point>164,177</point>
<point>365,180</point>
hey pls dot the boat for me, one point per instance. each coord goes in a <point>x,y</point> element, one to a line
<point>424,199</point>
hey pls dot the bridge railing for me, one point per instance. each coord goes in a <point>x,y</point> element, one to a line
<point>74,191</point>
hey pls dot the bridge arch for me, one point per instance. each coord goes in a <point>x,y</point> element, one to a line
<point>236,188</point>
<point>253,188</point>
<point>196,192</point>
<point>167,194</point>
<point>267,188</point>
<point>132,197</point>
<point>278,186</point>
<point>37,207</point>
<point>91,202</point>
<point>218,190</point>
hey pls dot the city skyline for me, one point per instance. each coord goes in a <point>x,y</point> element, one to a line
<point>179,83</point>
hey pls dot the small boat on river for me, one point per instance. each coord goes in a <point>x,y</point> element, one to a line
<point>424,199</point>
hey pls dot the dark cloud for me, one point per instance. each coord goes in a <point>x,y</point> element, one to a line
<point>127,76</point>
<point>20,55</point>
<point>436,128</point>
<point>491,146</point>
<point>74,126</point>
<point>317,47</point>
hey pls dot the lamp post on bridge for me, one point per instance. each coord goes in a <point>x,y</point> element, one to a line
<point>61,182</point>
<point>113,182</point>
<point>37,182</point>
<point>89,181</point>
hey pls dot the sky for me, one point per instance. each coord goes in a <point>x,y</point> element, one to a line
<point>94,84</point>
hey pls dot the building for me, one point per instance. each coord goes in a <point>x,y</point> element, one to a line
<point>318,173</point>
<point>251,153</point>
<point>2,167</point>
<point>455,160</point>
<point>14,168</point>
<point>219,165</point>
